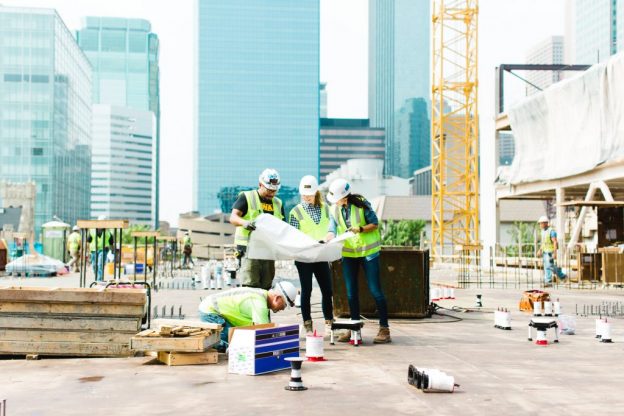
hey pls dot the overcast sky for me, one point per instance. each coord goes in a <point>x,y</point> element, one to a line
<point>507,29</point>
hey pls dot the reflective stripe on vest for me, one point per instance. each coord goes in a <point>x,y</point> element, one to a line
<point>361,244</point>
<point>307,224</point>
<point>254,209</point>
<point>547,245</point>
<point>241,293</point>
<point>102,240</point>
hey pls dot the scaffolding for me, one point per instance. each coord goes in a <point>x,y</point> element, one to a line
<point>454,126</point>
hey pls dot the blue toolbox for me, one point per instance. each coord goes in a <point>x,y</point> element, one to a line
<point>262,349</point>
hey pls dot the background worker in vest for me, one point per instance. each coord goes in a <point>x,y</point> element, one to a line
<point>187,250</point>
<point>311,217</point>
<point>245,306</point>
<point>548,251</point>
<point>73,248</point>
<point>101,240</point>
<point>248,206</point>
<point>352,212</point>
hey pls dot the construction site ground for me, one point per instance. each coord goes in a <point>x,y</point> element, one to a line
<point>499,372</point>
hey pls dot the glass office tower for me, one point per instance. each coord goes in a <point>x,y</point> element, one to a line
<point>45,112</point>
<point>124,56</point>
<point>257,102</point>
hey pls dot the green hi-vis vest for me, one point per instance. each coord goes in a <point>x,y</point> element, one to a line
<point>232,305</point>
<point>102,240</point>
<point>73,241</point>
<point>361,244</point>
<point>307,224</point>
<point>547,244</point>
<point>254,209</point>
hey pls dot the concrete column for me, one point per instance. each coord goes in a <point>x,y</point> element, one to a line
<point>560,220</point>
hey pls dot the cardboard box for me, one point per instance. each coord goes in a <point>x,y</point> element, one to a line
<point>262,348</point>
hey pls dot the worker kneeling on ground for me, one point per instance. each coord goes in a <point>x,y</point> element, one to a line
<point>245,306</point>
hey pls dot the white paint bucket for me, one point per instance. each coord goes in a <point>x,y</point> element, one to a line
<point>314,347</point>
<point>541,337</point>
<point>548,308</point>
<point>435,294</point>
<point>606,331</point>
<point>537,308</point>
<point>439,381</point>
<point>447,293</point>
<point>557,307</point>
<point>598,328</point>
<point>452,293</point>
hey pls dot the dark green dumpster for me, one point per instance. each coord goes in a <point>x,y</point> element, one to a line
<point>404,279</point>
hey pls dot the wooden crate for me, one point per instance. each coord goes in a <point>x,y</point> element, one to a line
<point>188,358</point>
<point>612,266</point>
<point>149,340</point>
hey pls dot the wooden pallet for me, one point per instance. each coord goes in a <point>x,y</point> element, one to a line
<point>188,358</point>
<point>69,322</point>
<point>150,340</point>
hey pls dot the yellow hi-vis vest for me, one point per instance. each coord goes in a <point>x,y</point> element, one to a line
<point>547,244</point>
<point>73,241</point>
<point>102,240</point>
<point>361,244</point>
<point>307,224</point>
<point>254,209</point>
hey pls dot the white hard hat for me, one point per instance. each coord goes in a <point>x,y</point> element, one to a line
<point>270,178</point>
<point>308,185</point>
<point>543,218</point>
<point>76,228</point>
<point>288,291</point>
<point>101,217</point>
<point>338,190</point>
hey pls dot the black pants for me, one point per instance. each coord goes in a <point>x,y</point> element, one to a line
<point>323,276</point>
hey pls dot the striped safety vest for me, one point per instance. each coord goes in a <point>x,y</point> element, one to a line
<point>361,244</point>
<point>254,209</point>
<point>307,224</point>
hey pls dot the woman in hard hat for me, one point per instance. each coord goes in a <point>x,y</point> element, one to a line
<point>311,217</point>
<point>352,212</point>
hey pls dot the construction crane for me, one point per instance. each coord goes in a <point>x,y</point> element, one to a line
<point>454,128</point>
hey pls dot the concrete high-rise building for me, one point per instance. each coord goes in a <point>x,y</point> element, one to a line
<point>124,54</point>
<point>345,138</point>
<point>550,51</point>
<point>323,100</point>
<point>399,55</point>
<point>594,30</point>
<point>122,184</point>
<point>412,137</point>
<point>257,86</point>
<point>45,113</point>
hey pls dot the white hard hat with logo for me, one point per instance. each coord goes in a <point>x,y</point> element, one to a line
<point>288,291</point>
<point>308,185</point>
<point>543,218</point>
<point>270,179</point>
<point>338,190</point>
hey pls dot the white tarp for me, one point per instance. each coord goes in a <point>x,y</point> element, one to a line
<point>276,240</point>
<point>571,127</point>
<point>36,264</point>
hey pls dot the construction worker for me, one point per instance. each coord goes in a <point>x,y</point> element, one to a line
<point>73,247</point>
<point>187,249</point>
<point>548,251</point>
<point>100,240</point>
<point>352,212</point>
<point>248,206</point>
<point>311,217</point>
<point>245,306</point>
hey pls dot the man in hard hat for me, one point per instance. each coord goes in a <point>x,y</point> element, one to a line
<point>187,250</point>
<point>548,250</point>
<point>245,306</point>
<point>248,206</point>
<point>73,247</point>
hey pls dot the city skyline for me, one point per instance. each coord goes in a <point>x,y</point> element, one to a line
<point>343,64</point>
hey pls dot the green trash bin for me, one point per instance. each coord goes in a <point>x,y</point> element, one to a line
<point>54,240</point>
<point>404,274</point>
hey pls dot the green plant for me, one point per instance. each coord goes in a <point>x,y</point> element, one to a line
<point>522,236</point>
<point>126,236</point>
<point>402,233</point>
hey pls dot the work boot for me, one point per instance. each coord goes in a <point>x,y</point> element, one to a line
<point>308,327</point>
<point>383,336</point>
<point>345,336</point>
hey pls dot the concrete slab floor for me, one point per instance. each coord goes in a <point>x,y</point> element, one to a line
<point>500,372</point>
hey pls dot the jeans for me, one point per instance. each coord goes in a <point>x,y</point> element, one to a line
<point>549,267</point>
<point>350,268</point>
<point>188,259</point>
<point>214,318</point>
<point>100,264</point>
<point>323,277</point>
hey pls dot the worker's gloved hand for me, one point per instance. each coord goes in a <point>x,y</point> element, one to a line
<point>249,225</point>
<point>322,241</point>
<point>355,229</point>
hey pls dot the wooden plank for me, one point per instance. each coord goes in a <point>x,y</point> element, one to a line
<point>82,309</point>
<point>158,323</point>
<point>143,234</point>
<point>32,335</point>
<point>73,295</point>
<point>194,343</point>
<point>65,349</point>
<point>69,323</point>
<point>102,224</point>
<point>166,238</point>
<point>188,358</point>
